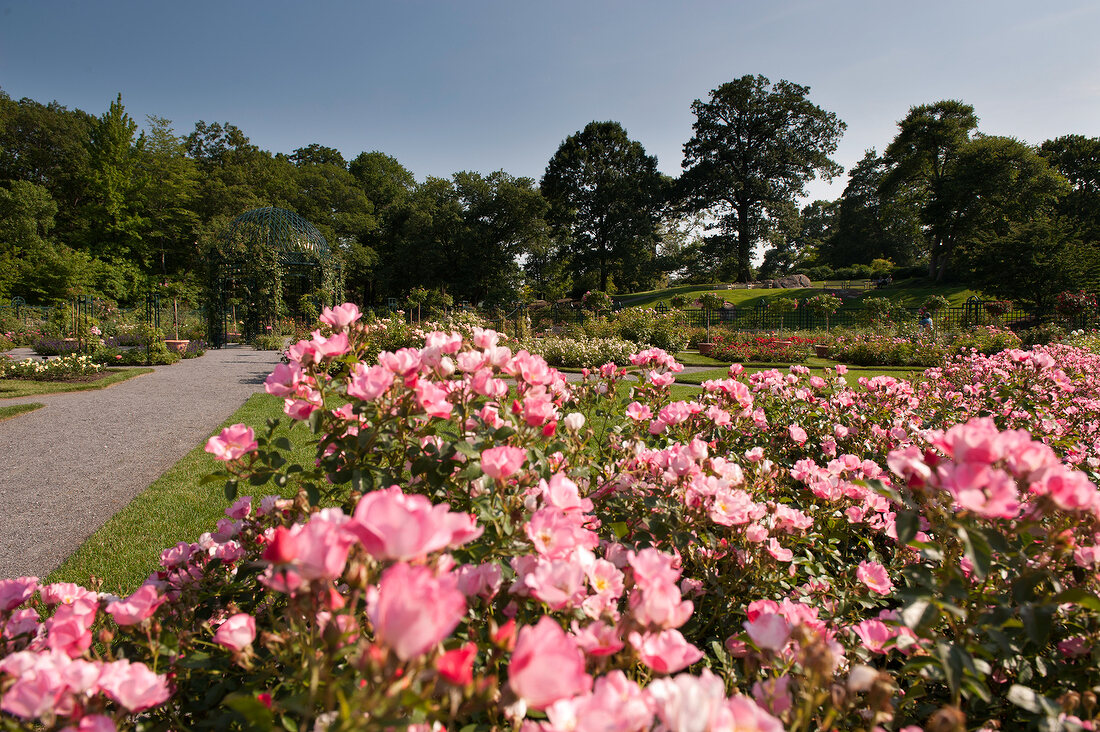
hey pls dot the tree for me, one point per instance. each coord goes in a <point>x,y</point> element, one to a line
<point>923,156</point>
<point>112,209</point>
<point>170,185</point>
<point>1078,158</point>
<point>754,148</point>
<point>606,198</point>
<point>873,222</point>
<point>387,185</point>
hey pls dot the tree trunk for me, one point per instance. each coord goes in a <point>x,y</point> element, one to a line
<point>744,246</point>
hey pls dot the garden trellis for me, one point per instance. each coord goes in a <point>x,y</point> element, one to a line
<point>270,263</point>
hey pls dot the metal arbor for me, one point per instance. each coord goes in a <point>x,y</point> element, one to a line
<point>271,263</point>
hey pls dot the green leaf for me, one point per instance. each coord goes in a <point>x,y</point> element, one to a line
<point>282,443</point>
<point>1032,701</point>
<point>907,524</point>
<point>976,548</point>
<point>313,494</point>
<point>231,490</point>
<point>1079,596</point>
<point>255,712</point>
<point>315,420</point>
<point>620,528</point>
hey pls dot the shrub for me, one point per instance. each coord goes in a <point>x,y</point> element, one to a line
<point>580,352</point>
<point>746,347</point>
<point>269,342</point>
<point>644,327</point>
<point>54,369</point>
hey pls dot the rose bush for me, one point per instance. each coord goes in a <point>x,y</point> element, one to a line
<point>779,552</point>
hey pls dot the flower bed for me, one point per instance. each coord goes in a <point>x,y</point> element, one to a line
<point>873,349</point>
<point>746,347</point>
<point>779,552</point>
<point>580,352</point>
<point>62,368</point>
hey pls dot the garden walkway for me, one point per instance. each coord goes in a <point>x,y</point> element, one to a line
<point>68,467</point>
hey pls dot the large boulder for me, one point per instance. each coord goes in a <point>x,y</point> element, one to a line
<point>793,281</point>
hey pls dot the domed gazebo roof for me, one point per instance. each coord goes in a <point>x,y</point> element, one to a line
<point>283,231</point>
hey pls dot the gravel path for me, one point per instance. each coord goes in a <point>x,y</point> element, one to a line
<point>68,467</point>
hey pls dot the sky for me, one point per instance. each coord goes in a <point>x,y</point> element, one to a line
<point>487,85</point>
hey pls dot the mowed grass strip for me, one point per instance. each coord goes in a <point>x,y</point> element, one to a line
<point>175,508</point>
<point>852,376</point>
<point>12,388</point>
<point>14,410</point>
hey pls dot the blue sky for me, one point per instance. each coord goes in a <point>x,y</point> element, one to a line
<point>493,84</point>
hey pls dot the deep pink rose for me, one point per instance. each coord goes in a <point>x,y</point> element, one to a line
<point>415,609</point>
<point>14,592</point>
<point>237,632</point>
<point>875,577</point>
<point>547,665</point>
<point>392,525</point>
<point>769,631</point>
<point>457,666</point>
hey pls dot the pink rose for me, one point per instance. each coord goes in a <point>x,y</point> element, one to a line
<point>457,666</point>
<point>369,382</point>
<point>137,607</point>
<point>875,577</point>
<point>341,316</point>
<point>414,609</point>
<point>797,433</point>
<point>392,525</point>
<point>547,665</point>
<point>232,443</point>
<point>501,462</point>
<point>666,652</point>
<point>133,685</point>
<point>237,632</point>
<point>14,592</point>
<point>769,631</point>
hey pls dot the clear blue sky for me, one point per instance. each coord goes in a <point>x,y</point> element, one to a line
<point>498,84</point>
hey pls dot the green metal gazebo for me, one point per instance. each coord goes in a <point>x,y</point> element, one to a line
<point>270,264</point>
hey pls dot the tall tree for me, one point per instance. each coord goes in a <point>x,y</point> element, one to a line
<point>923,155</point>
<point>170,185</point>
<point>606,199</point>
<point>387,185</point>
<point>873,222</point>
<point>1078,158</point>
<point>754,148</point>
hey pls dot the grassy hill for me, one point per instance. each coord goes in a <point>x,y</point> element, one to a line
<point>910,293</point>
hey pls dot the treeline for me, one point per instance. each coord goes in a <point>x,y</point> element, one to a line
<point>94,205</point>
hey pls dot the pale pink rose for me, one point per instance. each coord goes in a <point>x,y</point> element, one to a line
<point>404,362</point>
<point>302,353</point>
<point>757,608</point>
<point>177,555</point>
<point>660,606</point>
<point>666,652</point>
<point>14,592</point>
<point>69,630</point>
<point>232,443</point>
<point>773,695</point>
<point>323,545</point>
<point>598,638</point>
<point>605,578</point>
<point>547,665</point>
<point>503,461</point>
<point>36,691</point>
<point>557,582</point>
<point>756,533</point>
<point>432,399</point>
<point>63,592</point>
<point>341,316</point>
<point>556,533</point>
<point>797,433</point>
<point>687,703</point>
<point>133,685</point>
<point>616,704</point>
<point>284,379</point>
<point>331,347</point>
<point>1074,646</point>
<point>653,567</point>
<point>414,609</point>
<point>241,508</point>
<point>564,494</point>
<point>638,412</point>
<point>298,409</point>
<point>778,551</point>
<point>237,632</point>
<point>875,577</point>
<point>874,634</point>
<point>485,337</point>
<point>22,622</point>
<point>769,631</point>
<point>137,607</point>
<point>369,382</point>
<point>94,723</point>
<point>392,525</point>
<point>573,421</point>
<point>481,580</point>
<point>744,714</point>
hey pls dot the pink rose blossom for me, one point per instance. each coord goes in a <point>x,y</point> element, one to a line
<point>369,382</point>
<point>232,443</point>
<point>547,665</point>
<point>392,525</point>
<point>503,461</point>
<point>457,666</point>
<point>137,607</point>
<point>237,632</point>
<point>133,685</point>
<point>414,609</point>
<point>797,433</point>
<point>769,631</point>
<point>875,577</point>
<point>666,652</point>
<point>341,316</point>
<point>14,592</point>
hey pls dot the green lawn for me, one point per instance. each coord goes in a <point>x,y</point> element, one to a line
<point>852,377</point>
<point>175,508</point>
<point>11,388</point>
<point>14,410</point>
